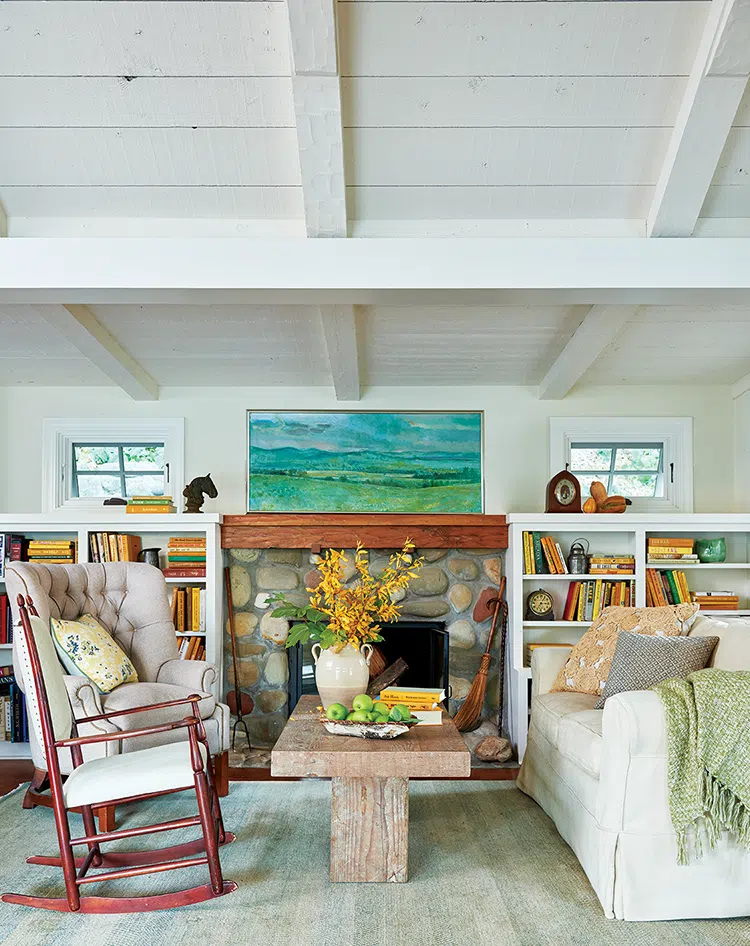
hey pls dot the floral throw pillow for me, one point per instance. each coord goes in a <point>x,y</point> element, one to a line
<point>86,648</point>
<point>587,668</point>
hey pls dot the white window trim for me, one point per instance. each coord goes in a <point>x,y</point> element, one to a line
<point>60,433</point>
<point>676,433</point>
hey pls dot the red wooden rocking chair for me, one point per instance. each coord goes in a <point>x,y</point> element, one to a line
<point>146,773</point>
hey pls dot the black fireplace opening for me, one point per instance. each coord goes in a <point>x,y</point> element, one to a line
<point>423,645</point>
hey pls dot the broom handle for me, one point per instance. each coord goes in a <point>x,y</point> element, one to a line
<point>498,603</point>
<point>230,607</point>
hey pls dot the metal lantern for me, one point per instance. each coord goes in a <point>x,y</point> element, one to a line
<point>578,557</point>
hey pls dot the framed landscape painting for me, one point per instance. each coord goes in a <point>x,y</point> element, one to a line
<point>365,461</point>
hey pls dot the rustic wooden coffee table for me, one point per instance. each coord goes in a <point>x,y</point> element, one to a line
<point>370,786</point>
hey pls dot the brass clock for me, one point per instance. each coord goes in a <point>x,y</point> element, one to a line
<point>539,606</point>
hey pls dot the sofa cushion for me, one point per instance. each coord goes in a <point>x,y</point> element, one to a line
<point>587,667</point>
<point>643,660</point>
<point>733,650</point>
<point>130,695</point>
<point>86,647</point>
<point>579,739</point>
<point>549,708</point>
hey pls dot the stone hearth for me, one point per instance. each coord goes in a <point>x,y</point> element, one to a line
<point>446,590</point>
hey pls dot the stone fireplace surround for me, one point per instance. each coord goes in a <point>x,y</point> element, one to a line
<point>267,553</point>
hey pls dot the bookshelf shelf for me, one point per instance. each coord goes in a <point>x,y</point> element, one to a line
<point>185,581</point>
<point>618,535</point>
<point>587,576</point>
<point>191,633</point>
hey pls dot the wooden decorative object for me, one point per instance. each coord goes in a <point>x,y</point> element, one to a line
<point>370,778</point>
<point>344,530</point>
<point>196,491</point>
<point>599,501</point>
<point>125,864</point>
<point>239,703</point>
<point>378,662</point>
<point>563,493</point>
<point>388,677</point>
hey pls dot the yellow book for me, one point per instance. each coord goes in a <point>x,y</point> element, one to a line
<point>420,694</point>
<point>597,599</point>
<point>149,510</point>
<point>195,610</point>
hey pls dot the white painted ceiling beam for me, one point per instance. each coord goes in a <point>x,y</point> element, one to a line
<point>599,328</point>
<point>340,335</point>
<point>199,271</point>
<point>713,94</point>
<point>79,325</point>
<point>317,105</point>
<point>740,387</point>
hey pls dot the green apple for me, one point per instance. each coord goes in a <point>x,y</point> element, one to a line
<point>337,711</point>
<point>380,707</point>
<point>358,716</point>
<point>362,703</point>
<point>400,713</point>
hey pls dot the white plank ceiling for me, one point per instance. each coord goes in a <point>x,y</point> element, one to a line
<point>177,116</point>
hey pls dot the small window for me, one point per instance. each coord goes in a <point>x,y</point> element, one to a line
<point>118,469</point>
<point>635,470</point>
<point>647,459</point>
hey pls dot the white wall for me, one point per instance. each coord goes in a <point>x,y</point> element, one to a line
<point>742,453</point>
<point>516,432</point>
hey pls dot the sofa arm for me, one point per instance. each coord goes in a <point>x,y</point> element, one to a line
<point>84,696</point>
<point>197,675</point>
<point>546,663</point>
<point>633,781</point>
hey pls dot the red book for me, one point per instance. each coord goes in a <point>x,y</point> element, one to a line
<point>572,600</point>
<point>175,571</point>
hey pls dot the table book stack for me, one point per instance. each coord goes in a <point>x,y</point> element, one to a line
<point>424,702</point>
<point>154,505</point>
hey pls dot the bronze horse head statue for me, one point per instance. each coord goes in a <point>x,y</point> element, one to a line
<point>196,491</point>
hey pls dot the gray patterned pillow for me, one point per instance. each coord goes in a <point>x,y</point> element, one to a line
<point>642,660</point>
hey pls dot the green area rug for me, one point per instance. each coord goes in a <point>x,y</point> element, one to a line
<point>487,868</point>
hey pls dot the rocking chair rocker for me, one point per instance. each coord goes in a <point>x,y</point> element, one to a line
<point>145,773</point>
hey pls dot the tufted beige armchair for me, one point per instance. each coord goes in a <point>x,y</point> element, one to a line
<point>131,601</point>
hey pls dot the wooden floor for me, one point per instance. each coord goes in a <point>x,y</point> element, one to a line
<point>13,773</point>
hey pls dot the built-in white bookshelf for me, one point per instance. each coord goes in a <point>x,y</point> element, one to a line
<point>625,534</point>
<point>154,531</point>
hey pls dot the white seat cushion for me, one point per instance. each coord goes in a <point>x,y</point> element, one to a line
<point>548,709</point>
<point>579,739</point>
<point>159,769</point>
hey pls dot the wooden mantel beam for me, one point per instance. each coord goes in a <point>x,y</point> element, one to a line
<point>381,531</point>
<point>79,325</point>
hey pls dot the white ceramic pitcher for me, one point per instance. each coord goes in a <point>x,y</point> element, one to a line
<point>340,677</point>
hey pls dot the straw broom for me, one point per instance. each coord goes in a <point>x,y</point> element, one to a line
<point>470,713</point>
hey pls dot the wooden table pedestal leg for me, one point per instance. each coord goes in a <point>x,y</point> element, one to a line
<point>369,830</point>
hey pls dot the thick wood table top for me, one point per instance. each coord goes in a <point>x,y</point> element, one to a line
<point>306,749</point>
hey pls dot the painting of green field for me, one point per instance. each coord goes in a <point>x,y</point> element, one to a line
<point>365,461</point>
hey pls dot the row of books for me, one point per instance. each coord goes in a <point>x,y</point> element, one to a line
<point>612,564</point>
<point>114,547</point>
<point>6,620</point>
<point>670,550</point>
<point>52,551</point>
<point>189,609</point>
<point>666,587</point>
<point>424,702</point>
<point>192,648</point>
<point>587,599</point>
<point>542,555</point>
<point>13,722</point>
<point>154,505</point>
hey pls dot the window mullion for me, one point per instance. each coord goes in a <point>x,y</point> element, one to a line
<point>121,457</point>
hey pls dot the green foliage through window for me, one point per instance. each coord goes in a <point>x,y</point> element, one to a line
<point>118,469</point>
<point>632,470</point>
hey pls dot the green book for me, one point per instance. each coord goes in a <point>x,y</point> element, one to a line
<point>673,589</point>
<point>540,565</point>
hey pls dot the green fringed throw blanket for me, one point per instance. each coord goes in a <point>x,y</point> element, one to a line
<point>708,743</point>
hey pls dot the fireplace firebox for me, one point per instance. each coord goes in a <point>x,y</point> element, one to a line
<point>423,645</point>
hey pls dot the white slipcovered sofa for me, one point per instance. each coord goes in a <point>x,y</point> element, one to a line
<point>601,775</point>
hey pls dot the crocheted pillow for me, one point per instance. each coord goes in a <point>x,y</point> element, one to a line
<point>643,660</point>
<point>587,668</point>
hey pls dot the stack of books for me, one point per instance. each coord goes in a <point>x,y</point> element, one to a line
<point>612,564</point>
<point>186,557</point>
<point>13,723</point>
<point>150,504</point>
<point>189,610</point>
<point>530,648</point>
<point>680,549</point>
<point>666,587</point>
<point>114,547</point>
<point>717,600</point>
<point>6,620</point>
<point>587,599</point>
<point>52,551</point>
<point>424,702</point>
<point>542,555</point>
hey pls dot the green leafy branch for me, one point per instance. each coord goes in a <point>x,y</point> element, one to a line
<point>311,624</point>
